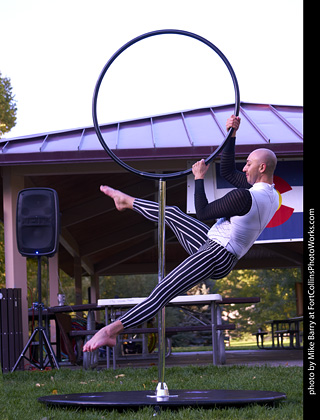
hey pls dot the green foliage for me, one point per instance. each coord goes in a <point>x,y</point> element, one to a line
<point>275,287</point>
<point>127,286</point>
<point>8,109</point>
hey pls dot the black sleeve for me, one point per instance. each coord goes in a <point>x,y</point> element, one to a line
<point>228,167</point>
<point>237,202</point>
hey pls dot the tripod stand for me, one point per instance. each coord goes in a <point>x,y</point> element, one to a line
<point>43,338</point>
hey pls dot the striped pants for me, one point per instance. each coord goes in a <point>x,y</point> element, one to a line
<point>207,259</point>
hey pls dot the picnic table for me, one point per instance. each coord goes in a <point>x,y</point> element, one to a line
<point>111,305</point>
<point>286,327</point>
<point>280,328</point>
<point>215,326</point>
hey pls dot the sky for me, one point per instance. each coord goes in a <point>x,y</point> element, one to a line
<point>54,51</point>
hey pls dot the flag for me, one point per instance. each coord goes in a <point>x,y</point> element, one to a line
<point>287,223</point>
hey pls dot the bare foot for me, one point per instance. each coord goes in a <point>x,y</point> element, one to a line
<point>122,201</point>
<point>107,336</point>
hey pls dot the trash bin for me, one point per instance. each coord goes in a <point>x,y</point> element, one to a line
<point>11,339</point>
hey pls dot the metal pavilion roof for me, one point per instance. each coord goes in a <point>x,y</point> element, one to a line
<point>180,134</point>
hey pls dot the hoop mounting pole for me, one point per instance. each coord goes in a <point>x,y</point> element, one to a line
<point>162,389</point>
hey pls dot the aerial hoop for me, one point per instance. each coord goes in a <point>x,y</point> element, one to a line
<point>104,71</point>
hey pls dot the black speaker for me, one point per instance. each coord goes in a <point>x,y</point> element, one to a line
<point>38,222</point>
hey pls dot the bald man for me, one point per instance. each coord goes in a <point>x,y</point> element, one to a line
<point>241,215</point>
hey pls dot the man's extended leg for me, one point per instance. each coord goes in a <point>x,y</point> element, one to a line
<point>211,261</point>
<point>190,232</point>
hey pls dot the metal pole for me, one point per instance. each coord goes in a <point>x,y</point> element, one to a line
<point>40,314</point>
<point>162,389</point>
<point>214,333</point>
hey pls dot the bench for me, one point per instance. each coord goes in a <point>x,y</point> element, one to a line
<point>260,334</point>
<point>281,328</point>
<point>281,333</point>
<point>278,334</point>
<point>170,331</point>
<point>286,327</point>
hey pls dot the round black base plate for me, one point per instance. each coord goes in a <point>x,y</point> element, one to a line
<point>177,398</point>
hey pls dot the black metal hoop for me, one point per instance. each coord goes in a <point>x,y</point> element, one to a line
<point>112,59</point>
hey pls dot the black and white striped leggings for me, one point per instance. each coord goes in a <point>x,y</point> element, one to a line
<point>207,259</point>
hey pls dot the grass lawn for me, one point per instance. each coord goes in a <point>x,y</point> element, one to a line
<point>19,391</point>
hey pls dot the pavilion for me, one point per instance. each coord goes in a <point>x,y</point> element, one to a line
<point>96,240</point>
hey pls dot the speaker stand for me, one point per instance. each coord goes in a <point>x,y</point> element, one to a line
<point>43,338</point>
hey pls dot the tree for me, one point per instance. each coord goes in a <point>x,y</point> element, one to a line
<point>276,289</point>
<point>8,109</point>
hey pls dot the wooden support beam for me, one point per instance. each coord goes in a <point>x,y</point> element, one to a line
<point>15,264</point>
